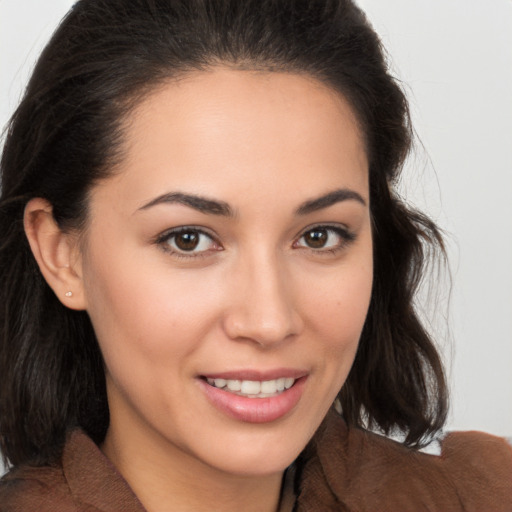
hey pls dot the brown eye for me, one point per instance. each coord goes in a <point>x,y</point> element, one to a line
<point>325,238</point>
<point>316,238</point>
<point>187,241</point>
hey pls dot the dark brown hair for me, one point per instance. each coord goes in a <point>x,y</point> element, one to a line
<point>67,133</point>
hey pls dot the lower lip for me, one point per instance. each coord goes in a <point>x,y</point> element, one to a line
<point>254,410</point>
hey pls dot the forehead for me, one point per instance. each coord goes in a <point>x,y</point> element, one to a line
<point>225,132</point>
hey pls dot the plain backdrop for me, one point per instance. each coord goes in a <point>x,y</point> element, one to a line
<point>455,60</point>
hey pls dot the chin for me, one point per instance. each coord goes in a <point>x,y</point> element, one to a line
<point>258,454</point>
<point>257,465</point>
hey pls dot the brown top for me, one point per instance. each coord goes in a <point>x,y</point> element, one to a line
<point>355,470</point>
<point>342,470</point>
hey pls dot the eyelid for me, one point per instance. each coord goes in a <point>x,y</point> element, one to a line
<point>335,226</point>
<point>163,237</point>
<point>346,234</point>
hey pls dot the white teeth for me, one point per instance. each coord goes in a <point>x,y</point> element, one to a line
<point>234,385</point>
<point>254,388</point>
<point>220,383</point>
<point>269,386</point>
<point>250,387</point>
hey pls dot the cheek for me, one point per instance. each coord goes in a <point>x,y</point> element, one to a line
<point>338,306</point>
<point>143,309</point>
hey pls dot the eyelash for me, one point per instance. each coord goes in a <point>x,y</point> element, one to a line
<point>163,240</point>
<point>346,238</point>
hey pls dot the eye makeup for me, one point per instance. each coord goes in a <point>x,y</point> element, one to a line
<point>196,242</point>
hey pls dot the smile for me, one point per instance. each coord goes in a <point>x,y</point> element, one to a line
<point>252,396</point>
<point>253,388</point>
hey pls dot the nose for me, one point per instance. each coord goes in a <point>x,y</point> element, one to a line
<point>263,308</point>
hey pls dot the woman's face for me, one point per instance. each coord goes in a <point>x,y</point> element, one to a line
<point>228,268</point>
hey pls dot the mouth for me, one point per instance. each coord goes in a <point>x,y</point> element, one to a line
<point>253,388</point>
<point>254,396</point>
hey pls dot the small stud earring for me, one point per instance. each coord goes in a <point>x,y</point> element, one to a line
<point>69,294</point>
<point>337,406</point>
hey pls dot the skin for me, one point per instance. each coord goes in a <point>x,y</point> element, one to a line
<point>254,295</point>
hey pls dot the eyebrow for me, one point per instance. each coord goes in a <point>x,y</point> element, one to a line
<point>201,204</point>
<point>336,196</point>
<point>215,207</point>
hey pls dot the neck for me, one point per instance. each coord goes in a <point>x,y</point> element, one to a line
<point>170,479</point>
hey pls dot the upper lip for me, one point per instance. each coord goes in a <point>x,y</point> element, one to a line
<point>257,375</point>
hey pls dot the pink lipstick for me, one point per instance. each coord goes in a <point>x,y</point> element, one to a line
<point>253,396</point>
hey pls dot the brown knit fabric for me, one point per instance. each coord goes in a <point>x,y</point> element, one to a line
<point>351,469</point>
<point>85,481</point>
<point>342,470</point>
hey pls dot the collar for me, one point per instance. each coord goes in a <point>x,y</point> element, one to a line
<point>93,479</point>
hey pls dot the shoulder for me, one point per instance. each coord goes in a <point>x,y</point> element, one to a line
<point>29,488</point>
<point>366,471</point>
<point>480,466</point>
<point>84,480</point>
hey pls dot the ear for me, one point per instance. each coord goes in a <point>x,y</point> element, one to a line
<point>57,253</point>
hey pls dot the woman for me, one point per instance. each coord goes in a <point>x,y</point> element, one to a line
<point>202,253</point>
